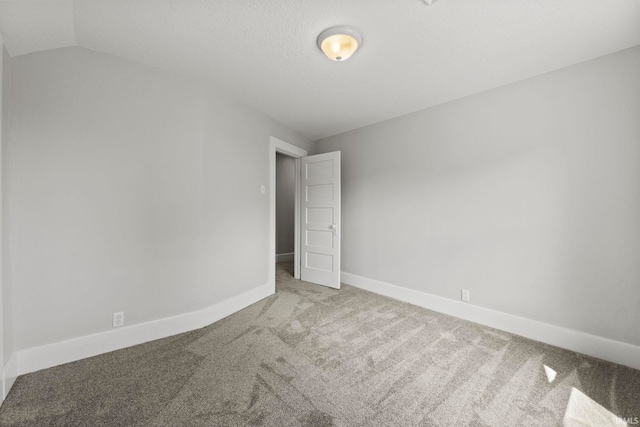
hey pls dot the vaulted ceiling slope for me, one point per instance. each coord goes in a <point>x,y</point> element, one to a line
<point>264,52</point>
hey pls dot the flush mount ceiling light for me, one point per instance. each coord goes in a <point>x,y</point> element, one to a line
<point>339,43</point>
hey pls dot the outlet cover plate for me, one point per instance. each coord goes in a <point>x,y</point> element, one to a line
<point>118,319</point>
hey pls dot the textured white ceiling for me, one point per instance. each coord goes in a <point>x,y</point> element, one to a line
<point>264,52</point>
<point>31,26</point>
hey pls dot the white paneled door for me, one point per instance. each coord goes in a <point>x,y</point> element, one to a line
<point>320,219</point>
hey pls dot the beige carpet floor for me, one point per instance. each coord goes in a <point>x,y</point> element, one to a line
<point>314,356</point>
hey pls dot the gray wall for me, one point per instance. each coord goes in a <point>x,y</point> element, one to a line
<point>285,204</point>
<point>7,309</point>
<point>4,351</point>
<point>528,195</point>
<point>131,189</point>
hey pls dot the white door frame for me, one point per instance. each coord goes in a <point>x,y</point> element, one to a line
<point>279,146</point>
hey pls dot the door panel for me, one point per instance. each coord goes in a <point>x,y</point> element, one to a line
<point>320,219</point>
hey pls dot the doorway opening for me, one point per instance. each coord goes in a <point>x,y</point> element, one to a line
<point>285,212</point>
<point>279,147</point>
<point>317,214</point>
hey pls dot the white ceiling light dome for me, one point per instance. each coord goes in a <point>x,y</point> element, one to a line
<point>339,43</point>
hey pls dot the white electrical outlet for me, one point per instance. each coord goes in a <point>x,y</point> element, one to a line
<point>118,319</point>
<point>466,295</point>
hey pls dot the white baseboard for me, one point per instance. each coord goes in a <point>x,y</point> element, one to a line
<point>46,356</point>
<point>581,342</point>
<point>9,375</point>
<point>284,257</point>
